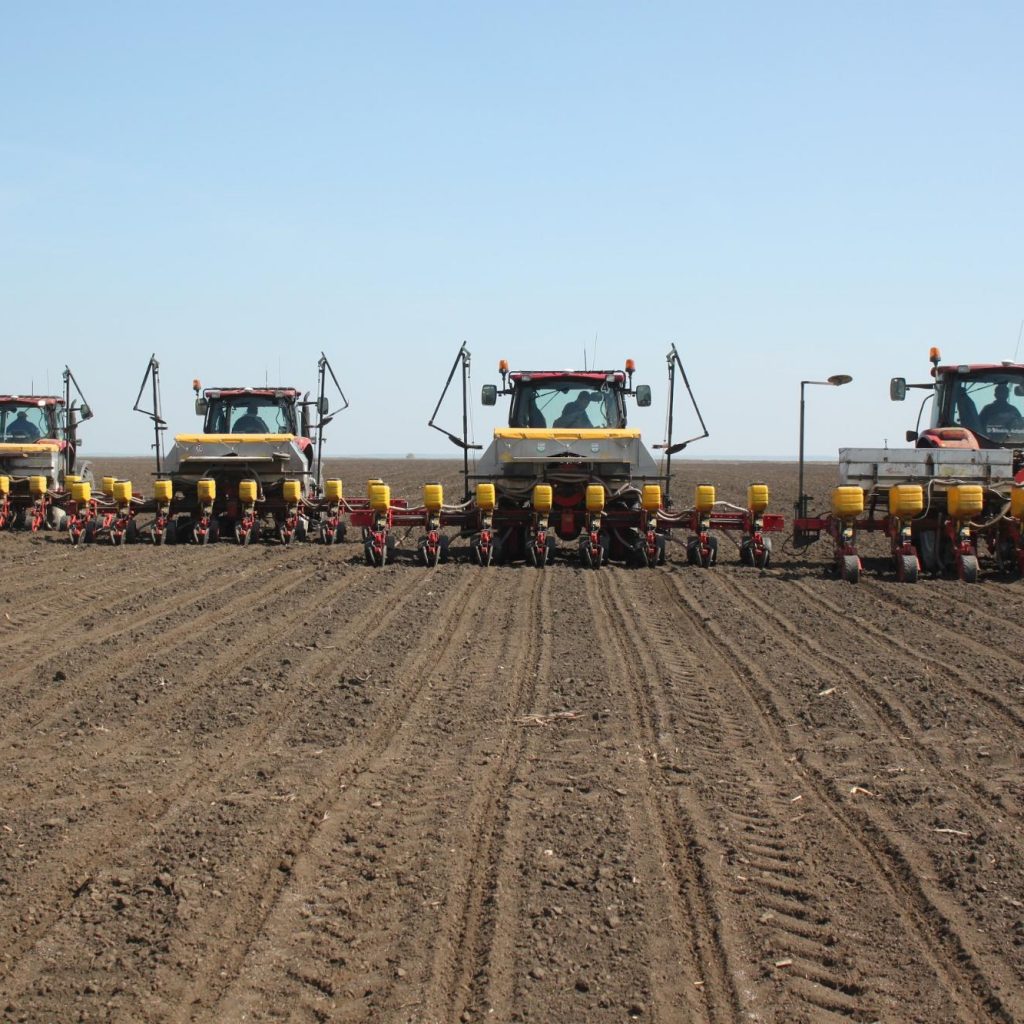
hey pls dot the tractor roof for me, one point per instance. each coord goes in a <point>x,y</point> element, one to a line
<point>594,376</point>
<point>259,392</point>
<point>37,400</point>
<point>984,368</point>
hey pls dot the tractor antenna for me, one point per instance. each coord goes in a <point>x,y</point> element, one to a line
<point>1019,333</point>
<point>595,350</point>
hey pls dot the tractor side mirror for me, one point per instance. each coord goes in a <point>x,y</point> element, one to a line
<point>643,395</point>
<point>85,413</point>
<point>323,406</point>
<point>201,405</point>
<point>489,394</point>
<point>898,390</point>
<point>911,435</point>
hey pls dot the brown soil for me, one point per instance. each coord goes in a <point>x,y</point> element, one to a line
<point>273,784</point>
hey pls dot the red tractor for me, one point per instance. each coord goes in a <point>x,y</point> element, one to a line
<point>952,498</point>
<point>566,475</point>
<point>39,455</point>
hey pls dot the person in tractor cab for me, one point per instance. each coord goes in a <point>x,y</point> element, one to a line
<point>1001,415</point>
<point>250,423</point>
<point>22,429</point>
<point>574,415</point>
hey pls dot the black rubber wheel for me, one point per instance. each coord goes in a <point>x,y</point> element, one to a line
<point>131,533</point>
<point>851,568</point>
<point>213,533</point>
<point>969,568</point>
<point>747,552</point>
<point>171,532</point>
<point>300,531</point>
<point>89,533</point>
<point>907,568</point>
<point>693,551</point>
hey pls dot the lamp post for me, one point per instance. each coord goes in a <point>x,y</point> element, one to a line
<point>836,380</point>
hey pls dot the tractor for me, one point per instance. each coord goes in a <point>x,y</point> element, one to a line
<point>566,474</point>
<point>952,497</point>
<point>254,471</point>
<point>39,455</point>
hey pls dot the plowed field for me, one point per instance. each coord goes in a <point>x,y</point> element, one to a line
<point>272,784</point>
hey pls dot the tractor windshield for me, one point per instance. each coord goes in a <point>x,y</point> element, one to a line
<point>990,403</point>
<point>250,414</point>
<point>568,404</point>
<point>21,421</point>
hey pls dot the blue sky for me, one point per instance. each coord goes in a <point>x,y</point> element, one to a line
<point>783,190</point>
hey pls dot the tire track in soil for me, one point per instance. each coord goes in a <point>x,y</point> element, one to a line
<point>178,793</point>
<point>692,964</point>
<point>212,995</point>
<point>428,780</point>
<point>946,948</point>
<point>1013,717</point>
<point>473,965</point>
<point>885,714</point>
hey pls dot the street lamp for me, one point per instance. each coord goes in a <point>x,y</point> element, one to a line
<point>836,380</point>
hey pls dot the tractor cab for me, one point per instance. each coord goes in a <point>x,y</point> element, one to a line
<point>972,406</point>
<point>567,401</point>
<point>988,401</point>
<point>251,411</point>
<point>28,418</point>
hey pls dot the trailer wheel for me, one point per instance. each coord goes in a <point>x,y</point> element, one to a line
<point>906,568</point>
<point>850,568</point>
<point>969,568</point>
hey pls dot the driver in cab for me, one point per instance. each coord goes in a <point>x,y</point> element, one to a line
<point>574,415</point>
<point>1000,415</point>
